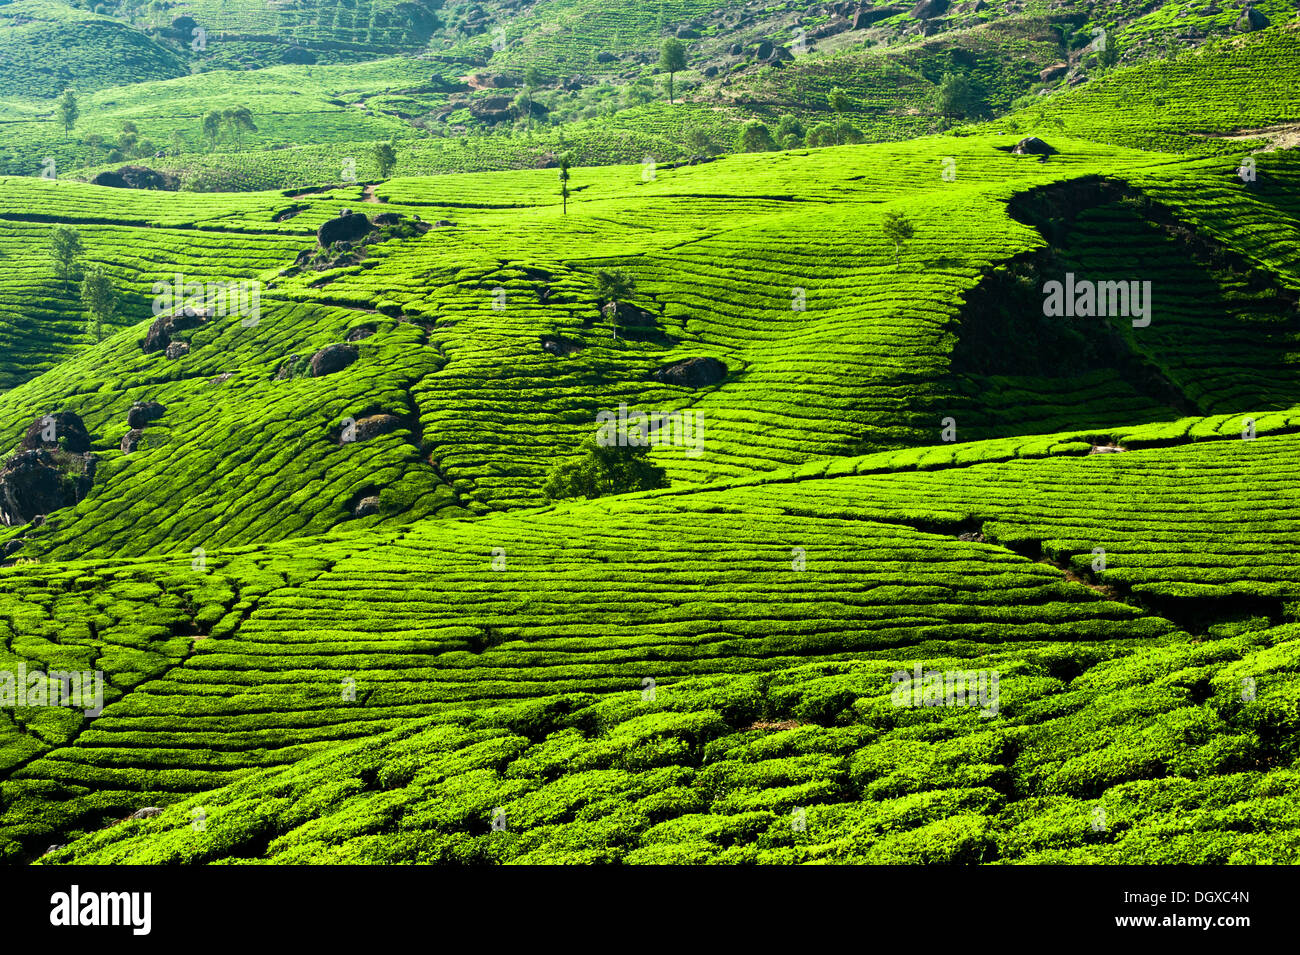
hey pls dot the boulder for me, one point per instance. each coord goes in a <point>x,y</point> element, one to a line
<point>148,812</point>
<point>60,431</point>
<point>358,333</point>
<point>492,109</point>
<point>387,218</point>
<point>142,412</point>
<point>107,178</point>
<point>560,346</point>
<point>691,373</point>
<point>604,56</point>
<point>332,358</point>
<point>347,227</point>
<point>865,18</point>
<point>366,506</point>
<point>764,50</point>
<point>131,440</point>
<point>177,350</point>
<point>1053,72</point>
<point>1032,146</point>
<point>374,425</point>
<point>36,482</point>
<point>925,9</point>
<point>1250,20</point>
<point>736,50</point>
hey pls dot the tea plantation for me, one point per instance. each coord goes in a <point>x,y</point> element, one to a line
<point>303,492</point>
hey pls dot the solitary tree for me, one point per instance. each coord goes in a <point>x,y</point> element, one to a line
<point>68,111</point>
<point>672,60</point>
<point>100,299</point>
<point>953,98</point>
<point>898,229</point>
<point>838,100</point>
<point>65,245</point>
<point>565,161</point>
<point>385,159</point>
<point>613,287</point>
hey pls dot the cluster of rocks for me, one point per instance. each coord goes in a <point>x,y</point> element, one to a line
<point>343,239</point>
<point>138,416</point>
<point>52,469</point>
<point>159,337</point>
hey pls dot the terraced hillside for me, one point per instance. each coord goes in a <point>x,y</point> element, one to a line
<point>322,492</point>
<point>828,346</point>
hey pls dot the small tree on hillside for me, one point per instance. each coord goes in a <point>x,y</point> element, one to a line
<point>672,60</point>
<point>898,229</point>
<point>565,162</point>
<point>65,246</point>
<point>212,128</point>
<point>100,299</point>
<point>238,120</point>
<point>385,159</point>
<point>613,287</point>
<point>604,470</point>
<point>954,96</point>
<point>68,111</point>
<point>838,100</point>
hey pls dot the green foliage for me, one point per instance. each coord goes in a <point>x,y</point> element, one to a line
<point>672,60</point>
<point>840,133</point>
<point>65,248</point>
<point>100,300</point>
<point>899,230</point>
<point>68,110</point>
<point>604,470</point>
<point>385,159</point>
<point>755,138</point>
<point>954,99</point>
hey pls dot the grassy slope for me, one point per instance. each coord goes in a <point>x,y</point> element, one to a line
<point>245,666</point>
<point>46,46</point>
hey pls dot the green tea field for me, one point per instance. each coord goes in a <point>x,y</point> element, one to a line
<point>555,432</point>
